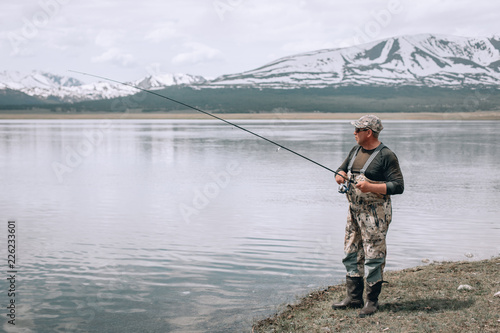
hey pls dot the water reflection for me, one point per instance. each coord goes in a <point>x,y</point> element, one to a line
<point>197,226</point>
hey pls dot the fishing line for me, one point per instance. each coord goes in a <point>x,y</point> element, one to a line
<point>216,117</point>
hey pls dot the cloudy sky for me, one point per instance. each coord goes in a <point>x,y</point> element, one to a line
<point>130,39</point>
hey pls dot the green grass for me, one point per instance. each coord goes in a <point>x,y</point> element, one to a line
<point>421,299</point>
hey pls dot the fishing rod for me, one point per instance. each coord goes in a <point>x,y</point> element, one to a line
<point>216,117</point>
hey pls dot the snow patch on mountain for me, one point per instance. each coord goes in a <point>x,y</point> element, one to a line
<point>164,80</point>
<point>36,79</point>
<point>68,89</point>
<point>418,60</point>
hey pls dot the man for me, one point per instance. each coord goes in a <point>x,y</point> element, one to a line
<point>375,174</point>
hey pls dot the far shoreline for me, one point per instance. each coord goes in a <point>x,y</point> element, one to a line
<point>476,115</point>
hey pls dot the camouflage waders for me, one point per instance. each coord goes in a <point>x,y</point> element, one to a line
<point>368,220</point>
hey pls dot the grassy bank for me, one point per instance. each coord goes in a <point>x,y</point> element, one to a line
<point>421,299</point>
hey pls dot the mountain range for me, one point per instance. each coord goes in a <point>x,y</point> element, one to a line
<point>423,60</point>
<point>47,86</point>
<point>417,60</point>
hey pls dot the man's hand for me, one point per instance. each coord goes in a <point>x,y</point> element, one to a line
<point>366,187</point>
<point>339,179</point>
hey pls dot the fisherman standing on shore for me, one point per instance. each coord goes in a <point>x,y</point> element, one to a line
<point>375,174</point>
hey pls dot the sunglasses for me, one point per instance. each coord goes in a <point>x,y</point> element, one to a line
<point>357,130</point>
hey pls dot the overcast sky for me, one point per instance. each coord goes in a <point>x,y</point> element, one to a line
<point>130,39</point>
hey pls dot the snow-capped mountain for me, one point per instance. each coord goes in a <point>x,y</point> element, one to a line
<point>416,60</point>
<point>36,83</point>
<point>164,80</point>
<point>68,89</point>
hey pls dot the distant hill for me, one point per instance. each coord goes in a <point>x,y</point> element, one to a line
<point>341,99</point>
<point>15,99</point>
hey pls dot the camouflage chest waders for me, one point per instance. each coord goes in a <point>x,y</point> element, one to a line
<point>368,220</point>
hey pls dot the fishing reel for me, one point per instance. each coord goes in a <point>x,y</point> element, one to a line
<point>344,188</point>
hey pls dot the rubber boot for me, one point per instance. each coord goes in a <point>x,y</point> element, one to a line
<point>371,305</point>
<point>354,297</point>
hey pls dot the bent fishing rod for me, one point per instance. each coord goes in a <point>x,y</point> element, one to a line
<point>216,117</point>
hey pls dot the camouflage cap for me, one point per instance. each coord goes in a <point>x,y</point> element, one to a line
<point>369,121</point>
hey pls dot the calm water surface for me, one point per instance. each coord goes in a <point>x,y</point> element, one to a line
<point>194,226</point>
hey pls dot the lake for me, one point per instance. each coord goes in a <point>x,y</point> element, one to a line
<point>196,226</point>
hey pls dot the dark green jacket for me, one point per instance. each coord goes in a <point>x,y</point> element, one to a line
<point>384,168</point>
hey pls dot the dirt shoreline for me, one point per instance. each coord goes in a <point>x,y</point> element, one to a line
<point>478,115</point>
<point>459,296</point>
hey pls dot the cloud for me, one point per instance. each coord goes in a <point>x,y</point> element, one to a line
<point>307,46</point>
<point>163,32</point>
<point>117,57</point>
<point>198,53</point>
<point>218,36</point>
<point>108,38</point>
